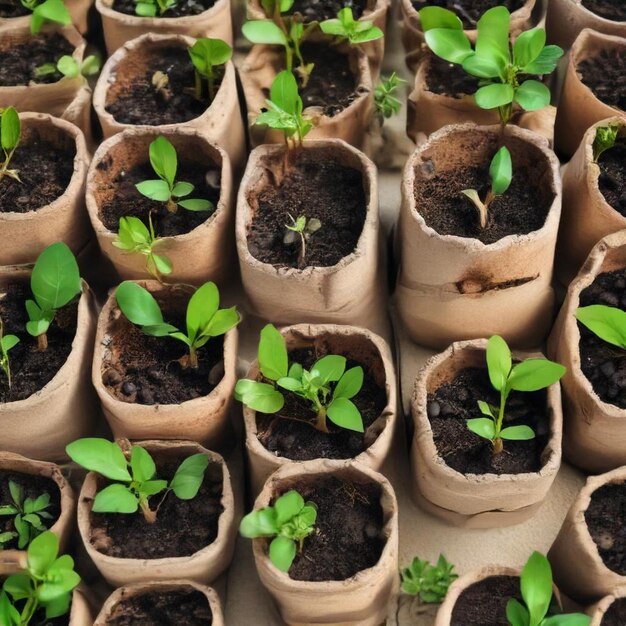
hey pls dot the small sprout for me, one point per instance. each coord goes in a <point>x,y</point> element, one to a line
<point>69,67</point>
<point>160,81</point>
<point>204,317</point>
<point>328,401</point>
<point>501,174</point>
<point>55,282</point>
<point>53,11</point>
<point>10,132</point>
<point>290,521</point>
<point>529,375</point>
<point>605,139</point>
<point>152,8</point>
<point>429,583</point>
<point>345,26</point>
<point>387,105</point>
<point>302,229</point>
<point>606,322</point>
<point>207,55</point>
<point>7,342</point>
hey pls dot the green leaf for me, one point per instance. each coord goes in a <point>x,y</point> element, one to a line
<point>608,323</point>
<point>131,233</point>
<point>483,427</point>
<point>10,129</point>
<point>349,384</point>
<point>206,53</point>
<point>18,586</point>
<point>482,67</point>
<point>162,263</point>
<point>164,330</point>
<point>516,613</point>
<point>485,409</point>
<point>115,498</point>
<point>201,308</point>
<point>264,32</point>
<point>499,362</point>
<point>195,204</point>
<point>138,304</point>
<point>9,615</point>
<point>492,39</point>
<point>101,456</point>
<point>38,327</point>
<point>189,476</point>
<point>436,17</point>
<point>181,189</point>
<point>605,139</point>
<point>272,355</point>
<point>91,65</point>
<point>259,397</point>
<point>546,62</point>
<point>344,413</point>
<point>501,171</point>
<point>142,464</point>
<point>157,190</point>
<point>572,619</point>
<point>329,368</point>
<point>535,374</point>
<point>282,553</point>
<point>143,9</point>
<point>261,523</point>
<point>152,487</point>
<point>451,45</point>
<point>17,492</point>
<point>528,46</point>
<point>291,384</point>
<point>536,586</point>
<point>517,433</point>
<point>493,96</point>
<point>284,93</point>
<point>55,279</point>
<point>42,552</point>
<point>532,95</point>
<point>288,506</point>
<point>68,66</point>
<point>222,322</point>
<point>49,11</point>
<point>8,342</point>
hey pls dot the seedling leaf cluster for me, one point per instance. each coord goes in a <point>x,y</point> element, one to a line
<point>429,583</point>
<point>605,139</point>
<point>69,67</point>
<point>10,134</point>
<point>208,56</point>
<point>606,322</point>
<point>344,26</point>
<point>46,11</point>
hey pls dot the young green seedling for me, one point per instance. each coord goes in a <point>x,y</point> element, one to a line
<point>152,8</point>
<point>605,139</point>
<point>207,56</point>
<point>536,588</point>
<point>69,67</point>
<point>502,69</point>
<point>204,317</point>
<point>387,105</point>
<point>290,521</point>
<point>166,188</point>
<point>529,375</point>
<point>135,478</point>
<point>429,583</point>
<point>607,322</point>
<point>55,282</point>
<point>329,401</point>
<point>302,229</point>
<point>344,26</point>
<point>501,174</point>
<point>7,342</point>
<point>47,11</point>
<point>10,132</point>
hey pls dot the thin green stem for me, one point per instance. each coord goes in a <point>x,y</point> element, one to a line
<point>497,442</point>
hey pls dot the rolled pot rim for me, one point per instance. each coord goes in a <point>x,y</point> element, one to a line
<point>598,610</point>
<point>105,8</point>
<point>578,6</point>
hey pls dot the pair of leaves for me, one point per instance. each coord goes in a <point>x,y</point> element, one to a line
<point>346,27</point>
<point>607,322</point>
<point>53,11</point>
<point>70,67</point>
<point>152,8</point>
<point>27,515</point>
<point>605,139</point>
<point>429,582</point>
<point>206,54</point>
<point>385,100</point>
<point>7,342</point>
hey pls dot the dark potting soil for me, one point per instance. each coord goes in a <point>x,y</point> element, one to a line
<point>142,103</point>
<point>605,75</point>
<point>611,10</point>
<point>18,62</point>
<point>128,202</point>
<point>349,530</point>
<point>448,79</point>
<point>612,179</point>
<point>616,614</point>
<point>315,186</point>
<point>182,8</point>
<point>319,10</point>
<point>12,8</point>
<point>602,363</point>
<point>288,435</point>
<point>605,518</point>
<point>484,603</point>
<point>182,607</point>
<point>449,408</point>
<point>33,487</point>
<point>183,527</point>
<point>469,11</point>
<point>31,369</point>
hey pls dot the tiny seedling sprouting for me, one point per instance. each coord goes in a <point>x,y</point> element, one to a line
<point>385,100</point>
<point>152,8</point>
<point>53,11</point>
<point>10,133</point>
<point>605,139</point>
<point>7,342</point>
<point>69,67</point>
<point>606,322</point>
<point>428,583</point>
<point>345,27</point>
<point>204,318</point>
<point>208,56</point>
<point>529,375</point>
<point>290,521</point>
<point>302,229</point>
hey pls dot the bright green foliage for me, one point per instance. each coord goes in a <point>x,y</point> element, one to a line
<point>204,317</point>
<point>607,322</point>
<point>135,481</point>
<point>152,8</point>
<point>536,587</point>
<point>303,229</point>
<point>605,139</point>
<point>7,342</point>
<point>529,375</point>
<point>500,67</point>
<point>10,132</point>
<point>290,521</point>
<point>428,582</point>
<point>55,282</point>
<point>328,401</point>
<point>53,11</point>
<point>43,589</point>
<point>346,27</point>
<point>387,104</point>
<point>70,67</point>
<point>207,55</point>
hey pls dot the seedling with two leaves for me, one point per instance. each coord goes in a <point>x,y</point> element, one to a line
<point>346,28</point>
<point>10,134</point>
<point>385,100</point>
<point>69,67</point>
<point>302,229</point>
<point>208,57</point>
<point>429,583</point>
<point>28,515</point>
<point>605,139</point>
<point>45,11</point>
<point>154,8</point>
<point>7,343</point>
<point>606,322</point>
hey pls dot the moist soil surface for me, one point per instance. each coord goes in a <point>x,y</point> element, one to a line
<point>605,518</point>
<point>605,75</point>
<point>287,435</point>
<point>315,186</point>
<point>319,10</point>
<point>611,10</point>
<point>349,530</point>
<point>602,363</point>
<point>140,102</point>
<point>33,487</point>
<point>12,8</point>
<point>182,8</point>
<point>182,607</point>
<point>126,201</point>
<point>448,79</point>
<point>183,527</point>
<point>31,369</point>
<point>612,179</point>
<point>18,62</point>
<point>469,11</point>
<point>484,603</point>
<point>616,614</point>
<point>449,408</point>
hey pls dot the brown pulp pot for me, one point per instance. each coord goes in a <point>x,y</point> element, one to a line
<point>595,431</point>
<point>78,10</point>
<point>26,235</point>
<point>579,108</point>
<point>599,609</point>
<point>358,344</point>
<point>80,609</point>
<point>451,288</point>
<point>205,253</point>
<point>221,123</point>
<point>358,601</point>
<point>475,500</point>
<point>587,216</point>
<point>202,567</point>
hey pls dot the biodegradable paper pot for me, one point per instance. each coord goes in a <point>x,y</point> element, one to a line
<point>203,419</point>
<point>579,108</point>
<point>80,610</point>
<point>358,344</point>
<point>451,288</point>
<point>475,500</point>
<point>358,601</point>
<point>599,609</point>
<point>26,235</point>
<point>78,9</point>
<point>121,595</point>
<point>587,216</point>
<point>350,292</point>
<point>201,567</point>
<point>205,253</point>
<point>578,568</point>
<point>595,431</point>
<point>221,123</point>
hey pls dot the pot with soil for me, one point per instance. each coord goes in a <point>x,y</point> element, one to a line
<point>457,279</point>
<point>593,89</point>
<point>199,244</point>
<point>16,14</point>
<point>610,611</point>
<point>189,539</point>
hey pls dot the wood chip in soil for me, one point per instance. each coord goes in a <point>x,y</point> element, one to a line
<point>469,11</point>
<point>319,10</point>
<point>611,10</point>
<point>612,179</point>
<point>484,603</point>
<point>181,9</point>
<point>605,75</point>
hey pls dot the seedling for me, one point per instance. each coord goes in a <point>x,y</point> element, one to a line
<point>207,56</point>
<point>345,27</point>
<point>387,105</point>
<point>55,282</point>
<point>429,583</point>
<point>47,11</point>
<point>7,342</point>
<point>329,401</point>
<point>302,229</point>
<point>43,589</point>
<point>27,514</point>
<point>529,375</point>
<point>605,139</point>
<point>501,174</point>
<point>501,68</point>
<point>69,67</point>
<point>204,317</point>
<point>290,521</point>
<point>606,322</point>
<point>133,237</point>
<point>135,479</point>
<point>536,588</point>
<point>152,8</point>
<point>10,132</point>
<point>166,188</point>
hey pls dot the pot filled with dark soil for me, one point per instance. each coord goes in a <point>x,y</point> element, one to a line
<point>16,14</point>
<point>610,611</point>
